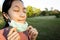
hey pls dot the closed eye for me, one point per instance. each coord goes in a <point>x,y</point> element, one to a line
<point>16,10</point>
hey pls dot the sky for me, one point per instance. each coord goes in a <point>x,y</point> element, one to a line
<point>41,4</point>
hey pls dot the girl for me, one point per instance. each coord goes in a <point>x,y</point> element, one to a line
<point>16,27</point>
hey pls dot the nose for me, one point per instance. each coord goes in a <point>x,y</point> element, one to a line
<point>22,14</point>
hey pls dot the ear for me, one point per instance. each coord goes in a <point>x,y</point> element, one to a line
<point>5,15</point>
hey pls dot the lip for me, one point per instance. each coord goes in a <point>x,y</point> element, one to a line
<point>22,16</point>
<point>21,19</point>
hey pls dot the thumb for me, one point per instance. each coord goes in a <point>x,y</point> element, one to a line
<point>12,30</point>
<point>29,27</point>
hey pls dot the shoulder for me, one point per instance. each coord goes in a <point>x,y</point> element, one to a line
<point>3,30</point>
<point>2,37</point>
<point>3,33</point>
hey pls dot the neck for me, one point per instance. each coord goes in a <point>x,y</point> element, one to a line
<point>21,22</point>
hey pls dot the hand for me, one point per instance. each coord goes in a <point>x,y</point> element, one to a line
<point>13,35</point>
<point>32,32</point>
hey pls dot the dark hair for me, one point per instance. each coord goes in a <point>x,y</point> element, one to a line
<point>5,7</point>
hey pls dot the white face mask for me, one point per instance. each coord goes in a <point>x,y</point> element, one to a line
<point>20,27</point>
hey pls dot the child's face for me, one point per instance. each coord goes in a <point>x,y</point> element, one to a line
<point>17,12</point>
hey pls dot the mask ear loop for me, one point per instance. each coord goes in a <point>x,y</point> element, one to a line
<point>9,20</point>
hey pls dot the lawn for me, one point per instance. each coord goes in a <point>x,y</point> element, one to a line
<point>47,26</point>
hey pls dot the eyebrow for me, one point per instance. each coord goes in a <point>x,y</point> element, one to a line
<point>18,7</point>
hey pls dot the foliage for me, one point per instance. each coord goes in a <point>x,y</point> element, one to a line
<point>31,11</point>
<point>56,13</point>
<point>0,13</point>
<point>2,23</point>
<point>43,13</point>
<point>36,12</point>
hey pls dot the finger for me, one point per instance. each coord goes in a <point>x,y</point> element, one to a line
<point>30,32</point>
<point>29,28</point>
<point>15,37</point>
<point>35,32</point>
<point>11,31</point>
<point>13,34</point>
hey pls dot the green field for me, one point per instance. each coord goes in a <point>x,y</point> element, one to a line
<point>47,26</point>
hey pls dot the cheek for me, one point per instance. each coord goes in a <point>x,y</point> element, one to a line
<point>12,16</point>
<point>18,17</point>
<point>25,16</point>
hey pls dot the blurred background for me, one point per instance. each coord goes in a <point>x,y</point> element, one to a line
<point>44,15</point>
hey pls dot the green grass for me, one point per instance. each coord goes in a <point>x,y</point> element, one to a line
<point>47,26</point>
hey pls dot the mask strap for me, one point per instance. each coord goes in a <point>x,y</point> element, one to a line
<point>9,20</point>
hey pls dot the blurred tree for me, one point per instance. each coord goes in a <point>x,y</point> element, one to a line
<point>36,11</point>
<point>32,11</point>
<point>56,13</point>
<point>47,12</point>
<point>0,13</point>
<point>29,11</point>
<point>43,13</point>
